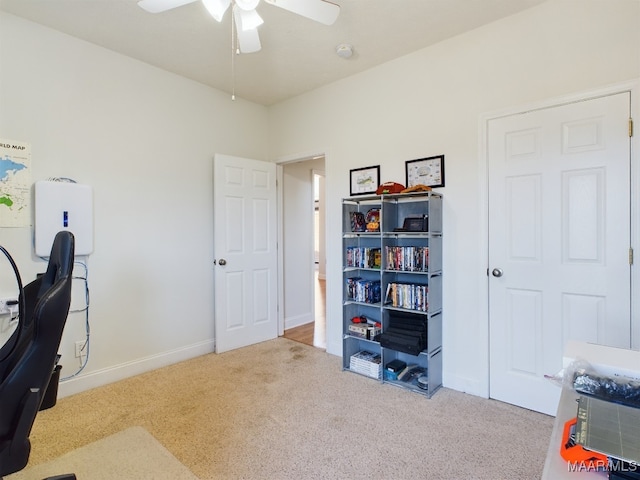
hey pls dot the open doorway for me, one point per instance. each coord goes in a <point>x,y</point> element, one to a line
<point>304,274</point>
<point>320,273</point>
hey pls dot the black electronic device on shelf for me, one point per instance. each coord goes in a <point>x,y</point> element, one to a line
<point>414,224</point>
<point>406,333</point>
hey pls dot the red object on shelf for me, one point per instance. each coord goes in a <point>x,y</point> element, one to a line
<point>389,187</point>
<point>572,452</point>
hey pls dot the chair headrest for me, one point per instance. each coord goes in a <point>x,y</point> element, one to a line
<point>60,260</point>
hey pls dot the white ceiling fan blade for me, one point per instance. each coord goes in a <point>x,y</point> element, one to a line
<point>216,8</point>
<point>318,10</point>
<point>247,4</point>
<point>249,20</point>
<point>157,6</point>
<point>248,40</point>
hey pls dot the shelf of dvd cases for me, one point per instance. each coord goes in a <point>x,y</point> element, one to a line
<point>392,300</point>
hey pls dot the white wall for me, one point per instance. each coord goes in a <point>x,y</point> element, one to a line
<point>298,241</point>
<point>429,103</point>
<point>322,220</point>
<point>144,139</point>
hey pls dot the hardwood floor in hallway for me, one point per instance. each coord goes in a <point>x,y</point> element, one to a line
<point>313,333</point>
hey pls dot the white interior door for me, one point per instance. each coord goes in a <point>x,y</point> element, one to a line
<point>559,239</point>
<point>245,252</point>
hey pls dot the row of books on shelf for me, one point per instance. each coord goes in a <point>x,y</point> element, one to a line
<point>407,259</point>
<point>411,296</point>
<point>407,295</point>
<point>363,257</point>
<point>363,290</point>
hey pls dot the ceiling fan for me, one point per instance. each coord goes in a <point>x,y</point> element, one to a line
<point>246,17</point>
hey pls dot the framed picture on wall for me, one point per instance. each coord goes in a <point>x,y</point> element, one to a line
<point>425,171</point>
<point>365,180</point>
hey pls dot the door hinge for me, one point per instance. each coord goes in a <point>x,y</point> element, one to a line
<point>631,256</point>
<point>631,127</point>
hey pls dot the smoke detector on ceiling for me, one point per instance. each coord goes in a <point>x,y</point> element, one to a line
<point>344,50</point>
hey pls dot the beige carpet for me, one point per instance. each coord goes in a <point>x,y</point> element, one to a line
<point>130,454</point>
<point>283,410</point>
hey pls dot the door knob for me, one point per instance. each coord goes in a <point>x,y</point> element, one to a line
<point>497,272</point>
<point>222,262</point>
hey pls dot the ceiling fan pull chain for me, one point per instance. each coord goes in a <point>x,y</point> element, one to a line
<point>233,58</point>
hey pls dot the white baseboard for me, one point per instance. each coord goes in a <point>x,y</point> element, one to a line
<point>334,348</point>
<point>99,378</point>
<point>464,384</point>
<point>298,320</point>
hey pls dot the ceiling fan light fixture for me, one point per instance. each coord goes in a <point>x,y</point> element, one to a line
<point>249,19</point>
<point>217,8</point>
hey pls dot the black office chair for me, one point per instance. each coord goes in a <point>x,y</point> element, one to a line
<point>29,356</point>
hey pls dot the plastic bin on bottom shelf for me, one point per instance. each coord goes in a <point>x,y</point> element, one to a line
<point>421,373</point>
<point>367,363</point>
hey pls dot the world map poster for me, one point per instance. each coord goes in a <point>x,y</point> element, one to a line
<point>15,183</point>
